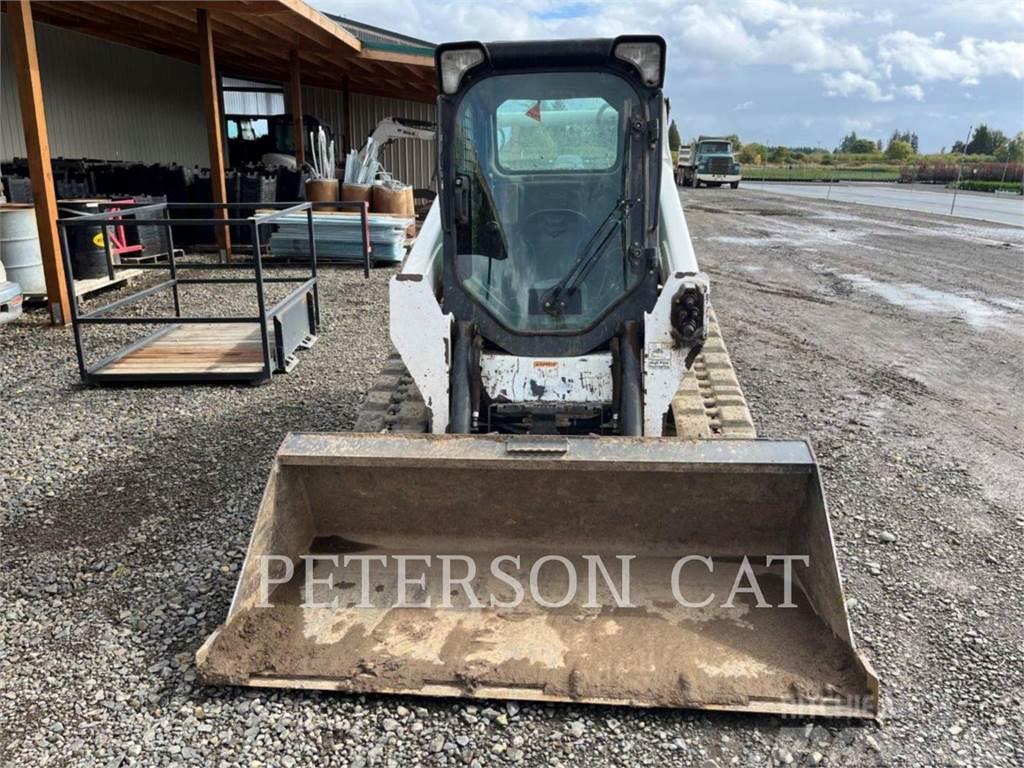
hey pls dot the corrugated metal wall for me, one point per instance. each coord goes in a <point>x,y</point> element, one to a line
<point>153,114</point>
<point>409,160</point>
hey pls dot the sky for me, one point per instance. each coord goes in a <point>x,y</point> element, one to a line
<point>778,72</point>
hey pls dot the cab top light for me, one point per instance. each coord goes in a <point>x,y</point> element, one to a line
<point>455,63</point>
<point>645,56</point>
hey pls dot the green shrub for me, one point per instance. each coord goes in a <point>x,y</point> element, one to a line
<point>988,186</point>
<point>899,151</point>
<point>943,172</point>
<point>853,158</point>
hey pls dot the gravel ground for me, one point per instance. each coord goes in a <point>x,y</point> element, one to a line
<point>125,514</point>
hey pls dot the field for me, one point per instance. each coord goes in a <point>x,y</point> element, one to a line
<point>923,170</point>
<point>819,173</point>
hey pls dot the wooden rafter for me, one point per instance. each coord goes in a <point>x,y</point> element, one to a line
<point>254,38</point>
<point>321,21</point>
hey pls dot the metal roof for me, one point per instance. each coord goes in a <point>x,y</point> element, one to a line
<point>370,34</point>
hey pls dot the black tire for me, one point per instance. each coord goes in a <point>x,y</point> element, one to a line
<point>734,184</point>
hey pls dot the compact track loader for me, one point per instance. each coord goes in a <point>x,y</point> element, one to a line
<point>554,491</point>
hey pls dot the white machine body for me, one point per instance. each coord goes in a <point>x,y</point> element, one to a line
<point>421,331</point>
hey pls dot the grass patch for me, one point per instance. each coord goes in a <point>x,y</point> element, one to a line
<point>820,173</point>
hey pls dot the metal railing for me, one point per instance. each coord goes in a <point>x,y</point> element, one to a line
<point>159,215</point>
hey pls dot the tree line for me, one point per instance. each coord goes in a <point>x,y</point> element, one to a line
<point>989,141</point>
<point>901,147</point>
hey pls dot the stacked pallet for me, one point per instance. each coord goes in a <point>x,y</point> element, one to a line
<point>339,237</point>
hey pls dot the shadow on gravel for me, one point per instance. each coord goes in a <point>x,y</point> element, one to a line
<point>186,475</point>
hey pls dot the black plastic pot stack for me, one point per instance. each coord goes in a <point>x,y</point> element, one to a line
<point>87,178</point>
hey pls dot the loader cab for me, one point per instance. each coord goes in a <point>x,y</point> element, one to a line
<point>549,166</point>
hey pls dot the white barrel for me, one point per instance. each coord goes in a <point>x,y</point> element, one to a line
<point>19,248</point>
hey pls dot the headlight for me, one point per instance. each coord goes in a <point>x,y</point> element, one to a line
<point>454,63</point>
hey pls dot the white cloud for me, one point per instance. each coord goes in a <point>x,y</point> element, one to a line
<point>851,84</point>
<point>920,56</point>
<point>783,13</point>
<point>998,12</point>
<point>856,124</point>
<point>699,34</point>
<point>890,58</point>
<point>995,57</point>
<point>915,91</point>
<point>713,33</point>
<point>927,60</point>
<point>440,22</point>
<point>808,50</point>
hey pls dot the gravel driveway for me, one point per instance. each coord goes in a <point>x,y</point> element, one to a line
<point>894,340</point>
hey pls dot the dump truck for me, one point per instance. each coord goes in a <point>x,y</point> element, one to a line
<point>709,161</point>
<point>554,490</point>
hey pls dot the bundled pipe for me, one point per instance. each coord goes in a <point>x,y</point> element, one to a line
<point>321,155</point>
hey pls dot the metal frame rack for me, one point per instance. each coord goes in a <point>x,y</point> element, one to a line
<point>203,348</point>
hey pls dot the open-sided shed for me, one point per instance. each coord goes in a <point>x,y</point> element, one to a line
<point>284,40</point>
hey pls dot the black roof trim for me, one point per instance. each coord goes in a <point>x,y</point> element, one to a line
<point>543,54</point>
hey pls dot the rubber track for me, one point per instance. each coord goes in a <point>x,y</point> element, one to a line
<point>394,404</point>
<point>708,405</point>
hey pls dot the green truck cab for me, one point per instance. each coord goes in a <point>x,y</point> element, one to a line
<point>709,161</point>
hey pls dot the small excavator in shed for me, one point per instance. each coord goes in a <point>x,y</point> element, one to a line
<point>560,396</point>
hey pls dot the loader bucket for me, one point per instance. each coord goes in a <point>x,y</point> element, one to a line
<point>357,575</point>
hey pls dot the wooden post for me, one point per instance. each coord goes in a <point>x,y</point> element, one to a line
<point>211,97</point>
<point>37,142</point>
<point>295,96</point>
